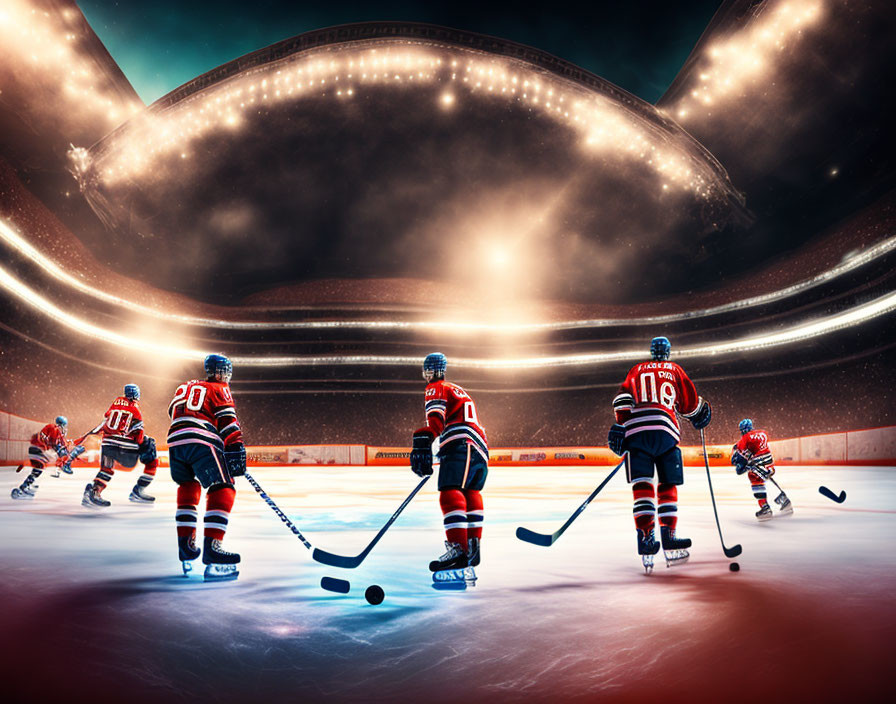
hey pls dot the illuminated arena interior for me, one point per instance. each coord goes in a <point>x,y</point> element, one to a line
<point>328,210</point>
<point>331,208</point>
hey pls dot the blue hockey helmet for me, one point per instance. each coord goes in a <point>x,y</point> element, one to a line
<point>434,366</point>
<point>131,391</point>
<point>61,421</point>
<point>660,348</point>
<point>745,426</point>
<point>220,368</point>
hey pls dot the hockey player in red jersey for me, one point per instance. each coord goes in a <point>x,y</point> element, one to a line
<point>463,454</point>
<point>123,442</point>
<point>50,438</point>
<point>751,455</point>
<point>205,444</point>
<point>647,432</point>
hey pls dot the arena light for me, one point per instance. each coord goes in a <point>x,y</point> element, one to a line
<point>849,263</point>
<point>447,72</point>
<point>32,298</point>
<point>749,56</point>
<point>46,42</point>
<point>795,333</point>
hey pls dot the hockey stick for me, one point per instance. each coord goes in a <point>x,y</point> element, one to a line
<point>329,558</point>
<point>734,550</point>
<point>824,491</point>
<point>530,536</point>
<point>276,509</point>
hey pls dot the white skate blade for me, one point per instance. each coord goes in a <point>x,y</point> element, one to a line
<point>647,561</point>
<point>466,574</point>
<point>187,567</point>
<point>676,557</point>
<point>221,573</point>
<point>20,495</point>
<point>762,519</point>
<point>786,511</point>
<point>138,500</point>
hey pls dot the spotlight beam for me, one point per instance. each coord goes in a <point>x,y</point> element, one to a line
<point>26,249</point>
<point>795,333</point>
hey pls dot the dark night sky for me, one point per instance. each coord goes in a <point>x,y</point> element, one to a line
<point>162,44</point>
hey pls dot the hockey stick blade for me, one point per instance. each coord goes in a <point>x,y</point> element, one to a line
<point>530,536</point>
<point>332,584</point>
<point>824,491</point>
<point>334,560</point>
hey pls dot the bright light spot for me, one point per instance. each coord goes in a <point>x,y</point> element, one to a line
<point>447,99</point>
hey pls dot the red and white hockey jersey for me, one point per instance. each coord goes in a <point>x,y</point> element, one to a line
<point>651,395</point>
<point>123,425</point>
<point>49,437</point>
<point>753,446</point>
<point>203,412</point>
<point>451,415</point>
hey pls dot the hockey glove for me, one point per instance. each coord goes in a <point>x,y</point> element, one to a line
<point>235,457</point>
<point>702,417</point>
<point>616,439</point>
<point>147,450</point>
<point>741,463</point>
<point>421,453</point>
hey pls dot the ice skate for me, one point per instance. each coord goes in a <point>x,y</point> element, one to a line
<point>92,498</point>
<point>454,579</point>
<point>473,552</point>
<point>455,558</point>
<point>139,495</point>
<point>674,549</point>
<point>765,513</point>
<point>220,565</point>
<point>648,547</point>
<point>23,492</point>
<point>785,508</point>
<point>187,552</point>
<point>67,468</point>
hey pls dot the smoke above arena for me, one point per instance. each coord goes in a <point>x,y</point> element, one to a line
<point>406,151</point>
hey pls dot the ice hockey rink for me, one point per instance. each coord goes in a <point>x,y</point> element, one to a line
<point>95,607</point>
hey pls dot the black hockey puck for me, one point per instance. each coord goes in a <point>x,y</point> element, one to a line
<point>332,584</point>
<point>374,594</point>
<point>734,567</point>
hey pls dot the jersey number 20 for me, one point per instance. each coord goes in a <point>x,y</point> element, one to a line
<point>194,395</point>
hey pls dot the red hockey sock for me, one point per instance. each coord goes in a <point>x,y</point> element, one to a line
<point>187,514</point>
<point>475,513</point>
<point>667,510</point>
<point>149,472</point>
<point>758,485</point>
<point>645,505</point>
<point>103,477</point>
<point>454,516</point>
<point>218,503</point>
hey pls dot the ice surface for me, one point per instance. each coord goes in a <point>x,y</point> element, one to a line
<point>94,607</point>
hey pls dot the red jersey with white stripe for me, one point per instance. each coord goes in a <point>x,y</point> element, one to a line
<point>754,448</point>
<point>651,395</point>
<point>203,412</point>
<point>123,424</point>
<point>49,437</point>
<point>451,414</point>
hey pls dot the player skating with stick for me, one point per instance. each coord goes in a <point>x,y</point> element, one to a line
<point>124,442</point>
<point>206,450</point>
<point>463,455</point>
<point>647,429</point>
<point>751,455</point>
<point>50,438</point>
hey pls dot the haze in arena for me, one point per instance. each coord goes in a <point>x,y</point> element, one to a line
<point>599,301</point>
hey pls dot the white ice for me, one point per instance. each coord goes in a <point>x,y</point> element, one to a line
<point>811,613</point>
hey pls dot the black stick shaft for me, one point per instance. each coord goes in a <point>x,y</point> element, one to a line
<point>736,549</point>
